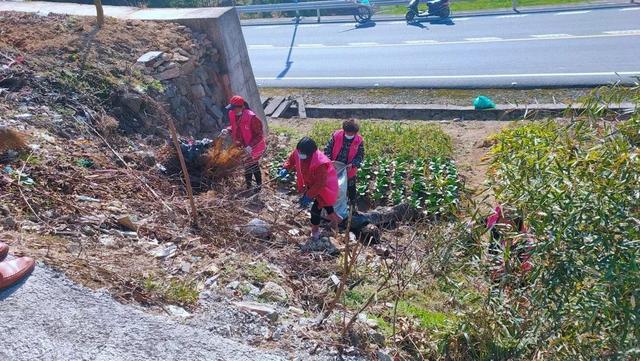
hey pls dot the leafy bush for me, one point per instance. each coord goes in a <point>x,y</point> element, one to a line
<point>578,188</point>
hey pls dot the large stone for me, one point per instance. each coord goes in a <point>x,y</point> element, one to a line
<point>323,244</point>
<point>188,67</point>
<point>258,228</point>
<point>198,91</point>
<point>273,292</point>
<point>168,74</point>
<point>150,58</point>
<point>383,356</point>
<point>177,311</point>
<point>180,58</point>
<point>259,308</point>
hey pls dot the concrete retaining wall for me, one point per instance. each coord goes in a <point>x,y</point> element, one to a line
<point>439,111</point>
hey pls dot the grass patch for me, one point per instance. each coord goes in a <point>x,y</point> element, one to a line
<point>401,141</point>
<point>260,272</point>
<point>174,291</point>
<point>428,319</point>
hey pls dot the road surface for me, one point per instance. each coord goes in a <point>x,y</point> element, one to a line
<point>48,317</point>
<point>557,49</point>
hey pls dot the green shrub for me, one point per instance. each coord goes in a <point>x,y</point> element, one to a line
<point>577,186</point>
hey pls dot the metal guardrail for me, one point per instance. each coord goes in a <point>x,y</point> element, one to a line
<point>313,5</point>
<point>322,5</point>
<point>330,5</point>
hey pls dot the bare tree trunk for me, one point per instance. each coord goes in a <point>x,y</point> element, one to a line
<point>100,12</point>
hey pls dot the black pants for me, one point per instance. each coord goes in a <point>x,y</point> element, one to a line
<point>252,170</point>
<point>315,212</point>
<point>351,190</point>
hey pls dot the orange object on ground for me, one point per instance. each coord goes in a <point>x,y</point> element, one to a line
<point>4,250</point>
<point>14,270</point>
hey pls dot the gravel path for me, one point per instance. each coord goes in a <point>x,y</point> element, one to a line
<point>48,317</point>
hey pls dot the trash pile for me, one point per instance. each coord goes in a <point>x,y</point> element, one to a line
<point>206,160</point>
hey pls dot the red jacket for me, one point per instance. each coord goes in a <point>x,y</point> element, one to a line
<point>247,131</point>
<point>315,176</point>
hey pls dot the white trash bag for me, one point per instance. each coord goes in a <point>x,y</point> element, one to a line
<point>342,204</point>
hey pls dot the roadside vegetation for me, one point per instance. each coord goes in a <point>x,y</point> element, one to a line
<point>478,5</point>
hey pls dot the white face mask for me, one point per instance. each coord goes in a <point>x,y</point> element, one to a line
<point>239,112</point>
<point>349,136</point>
<point>302,156</point>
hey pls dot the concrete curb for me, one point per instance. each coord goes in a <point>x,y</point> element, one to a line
<point>461,14</point>
<point>505,112</point>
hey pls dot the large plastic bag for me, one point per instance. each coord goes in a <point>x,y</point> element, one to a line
<point>342,204</point>
<point>483,102</point>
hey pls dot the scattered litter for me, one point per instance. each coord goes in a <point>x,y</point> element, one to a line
<point>87,199</point>
<point>165,251</point>
<point>85,163</point>
<point>483,102</point>
<point>177,311</point>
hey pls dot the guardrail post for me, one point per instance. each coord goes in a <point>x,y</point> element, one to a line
<point>318,13</point>
<point>514,5</point>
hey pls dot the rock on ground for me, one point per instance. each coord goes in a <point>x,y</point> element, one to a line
<point>50,317</point>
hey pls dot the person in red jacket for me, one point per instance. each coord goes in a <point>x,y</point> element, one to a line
<point>246,131</point>
<point>317,181</point>
<point>347,146</point>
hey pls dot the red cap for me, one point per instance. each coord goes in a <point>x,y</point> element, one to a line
<point>236,100</point>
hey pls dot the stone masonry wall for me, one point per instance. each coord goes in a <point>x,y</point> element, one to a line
<point>190,75</point>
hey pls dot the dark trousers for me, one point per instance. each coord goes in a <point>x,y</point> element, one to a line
<point>315,212</point>
<point>252,170</point>
<point>351,190</point>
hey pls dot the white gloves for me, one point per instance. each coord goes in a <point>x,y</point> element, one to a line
<point>224,132</point>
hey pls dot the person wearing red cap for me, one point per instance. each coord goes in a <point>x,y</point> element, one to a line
<point>246,131</point>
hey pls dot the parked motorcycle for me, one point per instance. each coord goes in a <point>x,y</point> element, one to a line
<point>438,8</point>
<point>363,11</point>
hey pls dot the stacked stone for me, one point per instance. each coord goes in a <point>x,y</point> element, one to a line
<point>191,78</point>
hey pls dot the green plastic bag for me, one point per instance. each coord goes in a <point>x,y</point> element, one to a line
<point>483,102</point>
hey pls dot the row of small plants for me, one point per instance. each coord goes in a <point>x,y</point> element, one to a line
<point>430,185</point>
<point>404,163</point>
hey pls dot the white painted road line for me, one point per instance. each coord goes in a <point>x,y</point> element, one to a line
<point>573,12</point>
<point>310,26</point>
<point>623,32</point>
<point>396,22</point>
<point>630,9</point>
<point>487,38</point>
<point>363,44</point>
<point>511,16</point>
<point>420,42</point>
<point>552,36</point>
<point>263,27</point>
<point>465,42</point>
<point>470,76</point>
<point>460,19</point>
<point>260,46</point>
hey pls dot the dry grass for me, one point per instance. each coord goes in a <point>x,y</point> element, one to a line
<point>220,162</point>
<point>11,140</point>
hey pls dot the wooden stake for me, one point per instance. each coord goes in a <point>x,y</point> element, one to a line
<point>183,165</point>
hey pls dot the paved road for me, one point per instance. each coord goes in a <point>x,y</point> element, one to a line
<point>572,48</point>
<point>50,318</point>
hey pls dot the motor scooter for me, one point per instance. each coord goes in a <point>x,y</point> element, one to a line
<point>438,8</point>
